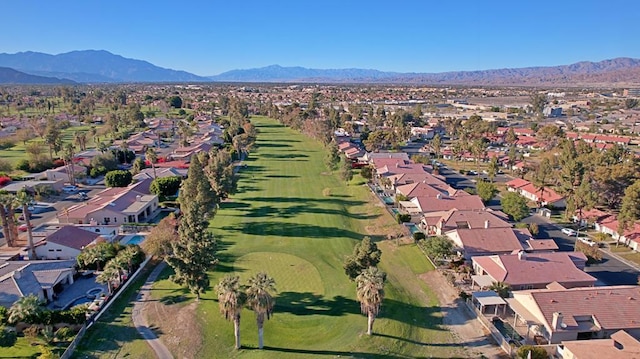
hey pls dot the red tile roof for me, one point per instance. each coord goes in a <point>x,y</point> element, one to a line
<point>536,269</point>
<point>72,237</point>
<point>613,307</point>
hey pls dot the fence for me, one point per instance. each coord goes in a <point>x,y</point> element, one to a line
<point>497,336</point>
<point>72,347</point>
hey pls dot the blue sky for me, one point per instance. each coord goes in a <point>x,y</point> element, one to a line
<point>210,37</point>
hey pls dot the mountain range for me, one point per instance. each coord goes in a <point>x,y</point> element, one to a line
<point>11,76</point>
<point>99,66</point>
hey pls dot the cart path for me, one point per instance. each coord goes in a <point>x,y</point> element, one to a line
<point>140,321</point>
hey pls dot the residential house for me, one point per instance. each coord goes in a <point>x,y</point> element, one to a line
<point>560,314</point>
<point>41,278</point>
<point>65,243</point>
<point>117,205</point>
<point>621,345</point>
<point>631,236</point>
<point>546,197</point>
<point>523,270</point>
<point>16,186</point>
<point>371,156</point>
<point>61,173</point>
<point>185,153</point>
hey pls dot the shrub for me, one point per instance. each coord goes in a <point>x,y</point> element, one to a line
<point>165,186</point>
<point>63,334</point>
<point>536,352</point>
<point>592,253</point>
<point>31,332</point>
<point>7,337</point>
<point>3,315</point>
<point>418,236</point>
<point>533,229</point>
<point>403,218</point>
<point>5,166</point>
<point>118,178</point>
<point>22,165</point>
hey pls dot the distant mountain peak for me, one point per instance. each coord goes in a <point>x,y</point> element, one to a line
<point>584,72</point>
<point>94,66</point>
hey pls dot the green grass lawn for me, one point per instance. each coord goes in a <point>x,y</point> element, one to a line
<point>280,222</point>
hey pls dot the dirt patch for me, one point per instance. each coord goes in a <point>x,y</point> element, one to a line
<point>457,318</point>
<point>178,323</point>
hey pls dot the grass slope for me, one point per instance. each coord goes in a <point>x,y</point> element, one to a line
<point>280,222</point>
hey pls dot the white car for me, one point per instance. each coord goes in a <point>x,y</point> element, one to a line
<point>588,241</point>
<point>69,189</point>
<point>568,231</point>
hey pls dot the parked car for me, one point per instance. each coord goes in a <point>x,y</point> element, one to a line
<point>23,227</point>
<point>472,173</point>
<point>568,231</point>
<point>69,189</point>
<point>588,241</point>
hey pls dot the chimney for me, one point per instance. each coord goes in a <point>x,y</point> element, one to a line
<point>397,164</point>
<point>522,256</point>
<point>17,274</point>
<point>556,322</point>
<point>138,198</point>
<point>439,196</point>
<point>486,223</point>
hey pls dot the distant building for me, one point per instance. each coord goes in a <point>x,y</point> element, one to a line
<point>552,111</point>
<point>631,92</point>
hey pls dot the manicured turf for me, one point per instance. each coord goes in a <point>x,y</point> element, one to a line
<point>281,222</point>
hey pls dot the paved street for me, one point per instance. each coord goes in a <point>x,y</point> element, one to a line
<point>610,271</point>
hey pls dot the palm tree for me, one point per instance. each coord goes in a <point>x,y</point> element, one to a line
<point>501,288</point>
<point>231,298</point>
<point>7,212</point>
<point>24,198</point>
<point>370,293</point>
<point>261,301</point>
<point>152,157</point>
<point>25,308</point>
<point>108,275</point>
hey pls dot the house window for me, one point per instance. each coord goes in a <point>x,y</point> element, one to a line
<point>58,250</point>
<point>115,220</point>
<point>50,250</point>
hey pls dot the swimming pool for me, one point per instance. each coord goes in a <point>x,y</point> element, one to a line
<point>395,210</point>
<point>79,301</point>
<point>388,200</point>
<point>413,228</point>
<point>133,239</point>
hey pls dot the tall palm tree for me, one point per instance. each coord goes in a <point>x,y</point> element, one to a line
<point>370,293</point>
<point>151,156</point>
<point>261,301</point>
<point>501,288</point>
<point>7,212</point>
<point>24,198</point>
<point>231,299</point>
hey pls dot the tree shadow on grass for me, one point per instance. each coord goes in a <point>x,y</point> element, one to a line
<point>292,230</point>
<point>307,303</point>
<point>336,353</point>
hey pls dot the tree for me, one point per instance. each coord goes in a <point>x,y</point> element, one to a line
<point>231,299</point>
<point>7,216</point>
<point>367,173</point>
<point>194,253</point>
<point>370,294</point>
<point>436,143</point>
<point>501,288</point>
<point>53,137</point>
<point>541,178</point>
<point>486,190</point>
<point>538,102</point>
<point>110,274</point>
<point>630,209</point>
<point>346,171</point>
<point>365,254</point>
<point>175,101</point>
<point>24,199</point>
<point>437,248</point>
<point>67,157</point>
<point>165,186</point>
<point>261,301</point>
<point>514,205</point>
<point>492,170</point>
<point>97,255</point>
<point>138,166</point>
<point>631,103</point>
<point>151,156</point>
<point>332,158</point>
<point>220,172</point>
<point>118,178</point>
<point>159,239</point>
<point>531,352</point>
<point>25,308</point>
<point>549,136</point>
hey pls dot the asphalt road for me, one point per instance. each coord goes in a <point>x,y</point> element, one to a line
<point>610,271</point>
